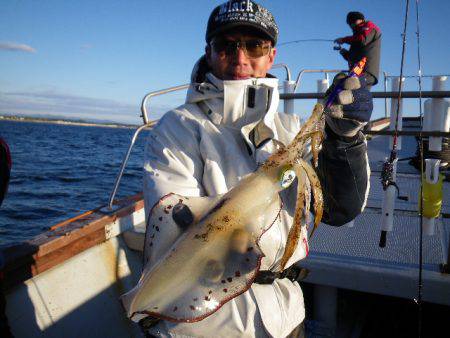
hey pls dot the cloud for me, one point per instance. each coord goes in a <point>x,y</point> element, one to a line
<point>16,47</point>
<point>58,103</point>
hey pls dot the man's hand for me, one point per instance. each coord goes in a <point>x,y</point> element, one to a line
<point>339,41</point>
<point>344,52</point>
<point>352,108</point>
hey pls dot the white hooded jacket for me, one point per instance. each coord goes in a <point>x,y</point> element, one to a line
<point>203,148</point>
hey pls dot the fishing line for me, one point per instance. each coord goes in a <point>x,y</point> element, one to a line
<point>420,281</point>
<point>304,40</point>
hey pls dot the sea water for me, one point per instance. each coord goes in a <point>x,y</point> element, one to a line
<point>59,171</point>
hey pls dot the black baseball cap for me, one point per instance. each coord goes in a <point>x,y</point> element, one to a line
<point>353,16</point>
<point>242,13</point>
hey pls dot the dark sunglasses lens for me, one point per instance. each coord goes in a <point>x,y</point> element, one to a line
<point>255,48</point>
<point>252,48</point>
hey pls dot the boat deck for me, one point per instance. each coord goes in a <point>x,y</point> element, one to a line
<point>350,258</point>
<point>73,272</point>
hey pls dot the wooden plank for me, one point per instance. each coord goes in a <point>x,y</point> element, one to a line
<point>70,220</point>
<point>62,242</point>
<point>30,266</point>
<point>79,227</point>
<point>62,254</point>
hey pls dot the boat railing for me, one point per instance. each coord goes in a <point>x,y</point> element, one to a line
<point>289,95</point>
<point>326,72</point>
<point>147,124</point>
<point>286,68</point>
<point>388,77</point>
<point>157,93</point>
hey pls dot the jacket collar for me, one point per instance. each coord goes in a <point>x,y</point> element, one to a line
<point>247,105</point>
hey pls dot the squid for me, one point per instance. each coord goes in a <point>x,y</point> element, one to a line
<point>196,270</point>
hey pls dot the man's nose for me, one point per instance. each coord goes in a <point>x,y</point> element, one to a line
<point>240,55</point>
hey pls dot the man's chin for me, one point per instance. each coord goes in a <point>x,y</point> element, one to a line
<point>239,77</point>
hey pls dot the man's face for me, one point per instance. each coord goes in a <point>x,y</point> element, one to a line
<point>229,60</point>
<point>356,23</point>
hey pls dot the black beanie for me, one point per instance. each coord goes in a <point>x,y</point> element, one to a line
<point>242,13</point>
<point>353,16</point>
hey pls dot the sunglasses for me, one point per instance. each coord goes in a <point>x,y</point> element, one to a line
<point>252,48</point>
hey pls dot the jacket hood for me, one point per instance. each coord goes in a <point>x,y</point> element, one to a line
<point>240,104</point>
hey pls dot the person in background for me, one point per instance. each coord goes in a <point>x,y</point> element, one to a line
<point>227,127</point>
<point>365,41</point>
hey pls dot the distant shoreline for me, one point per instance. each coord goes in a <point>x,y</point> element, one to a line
<point>64,122</point>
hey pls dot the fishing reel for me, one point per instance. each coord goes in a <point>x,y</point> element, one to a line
<point>337,46</point>
<point>391,192</point>
<point>388,176</point>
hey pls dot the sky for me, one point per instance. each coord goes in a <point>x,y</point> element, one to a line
<point>97,59</point>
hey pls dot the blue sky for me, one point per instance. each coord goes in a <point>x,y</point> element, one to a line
<point>97,59</point>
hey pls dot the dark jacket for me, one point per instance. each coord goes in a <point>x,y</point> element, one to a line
<point>365,41</point>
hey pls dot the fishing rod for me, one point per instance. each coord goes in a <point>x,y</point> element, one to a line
<point>420,280</point>
<point>388,175</point>
<point>356,71</point>
<point>304,40</point>
<point>389,171</point>
<point>337,46</point>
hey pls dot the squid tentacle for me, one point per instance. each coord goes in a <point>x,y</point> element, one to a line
<point>316,141</point>
<point>289,154</point>
<point>317,193</point>
<point>295,231</point>
<point>307,180</point>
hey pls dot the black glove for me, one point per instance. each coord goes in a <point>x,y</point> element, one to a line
<point>352,107</point>
<point>343,168</point>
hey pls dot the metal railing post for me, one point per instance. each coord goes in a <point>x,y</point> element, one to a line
<point>385,90</point>
<point>157,93</point>
<point>286,68</point>
<point>303,71</point>
<point>147,123</point>
<point>109,207</point>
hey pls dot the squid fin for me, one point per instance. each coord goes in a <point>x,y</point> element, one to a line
<point>201,270</point>
<point>160,223</point>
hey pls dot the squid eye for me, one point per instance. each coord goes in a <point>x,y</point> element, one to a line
<point>287,176</point>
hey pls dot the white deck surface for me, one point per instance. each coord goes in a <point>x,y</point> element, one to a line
<point>351,258</point>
